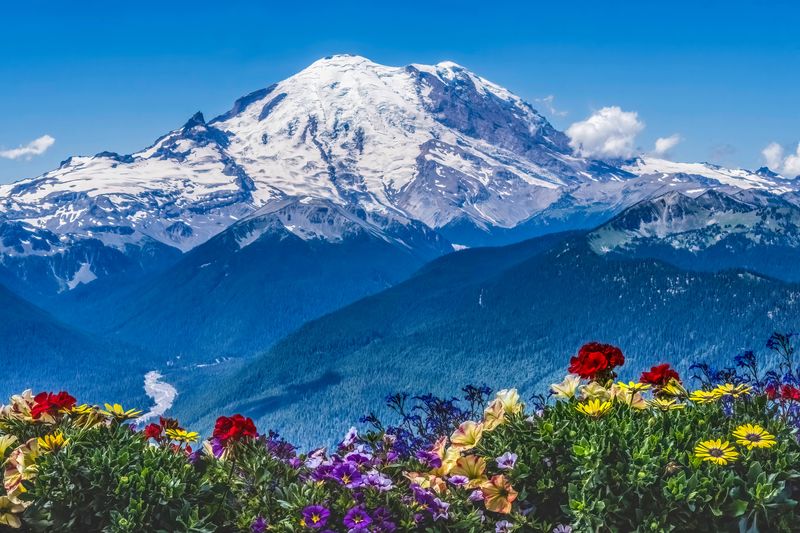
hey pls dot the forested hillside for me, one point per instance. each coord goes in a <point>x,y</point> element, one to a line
<point>460,318</point>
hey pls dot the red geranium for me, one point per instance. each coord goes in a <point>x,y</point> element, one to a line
<point>152,431</point>
<point>790,392</point>
<point>659,375</point>
<point>234,429</point>
<point>595,358</point>
<point>49,403</point>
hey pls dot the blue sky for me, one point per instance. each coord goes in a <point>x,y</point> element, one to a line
<point>724,76</point>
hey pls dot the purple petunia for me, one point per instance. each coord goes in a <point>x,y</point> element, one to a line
<point>562,528</point>
<point>315,516</point>
<point>357,519</point>
<point>458,480</point>
<point>217,447</point>
<point>381,521</point>
<point>503,526</point>
<point>358,457</point>
<point>476,496</point>
<point>429,459</point>
<point>259,525</point>
<point>507,461</point>
<point>378,481</point>
<point>440,509</point>
<point>348,475</point>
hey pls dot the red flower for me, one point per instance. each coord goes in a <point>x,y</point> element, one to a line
<point>152,431</point>
<point>771,391</point>
<point>233,428</point>
<point>659,375</point>
<point>594,358</point>
<point>49,403</point>
<point>168,423</point>
<point>790,392</point>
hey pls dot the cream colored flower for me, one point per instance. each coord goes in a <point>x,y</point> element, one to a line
<point>19,408</point>
<point>20,466</point>
<point>467,435</point>
<point>509,398</point>
<point>5,443</point>
<point>494,415</point>
<point>595,391</point>
<point>9,511</point>
<point>567,388</point>
<point>473,468</point>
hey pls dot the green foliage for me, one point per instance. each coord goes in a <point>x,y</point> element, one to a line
<point>635,470</point>
<point>109,478</point>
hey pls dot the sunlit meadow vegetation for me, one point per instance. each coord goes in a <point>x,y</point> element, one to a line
<point>718,452</point>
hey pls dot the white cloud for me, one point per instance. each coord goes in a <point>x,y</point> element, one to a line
<point>665,144</point>
<point>788,166</point>
<point>35,147</point>
<point>548,104</point>
<point>609,132</point>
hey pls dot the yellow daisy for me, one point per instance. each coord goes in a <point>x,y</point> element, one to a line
<point>730,389</point>
<point>674,389</point>
<point>704,396</point>
<point>181,435</point>
<point>753,436</point>
<point>52,442</point>
<point>716,451</point>
<point>594,408</point>
<point>665,405</point>
<point>633,386</point>
<point>118,413</point>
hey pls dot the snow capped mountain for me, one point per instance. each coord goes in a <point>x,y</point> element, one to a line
<point>398,152</point>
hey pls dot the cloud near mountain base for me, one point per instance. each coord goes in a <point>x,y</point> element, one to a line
<point>610,132</point>
<point>789,165</point>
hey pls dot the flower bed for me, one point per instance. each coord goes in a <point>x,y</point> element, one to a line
<point>598,454</point>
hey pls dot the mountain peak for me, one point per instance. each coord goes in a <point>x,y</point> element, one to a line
<point>339,61</point>
<point>197,120</point>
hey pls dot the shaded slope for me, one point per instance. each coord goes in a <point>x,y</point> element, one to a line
<point>41,353</point>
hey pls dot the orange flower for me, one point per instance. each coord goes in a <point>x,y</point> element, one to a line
<point>498,494</point>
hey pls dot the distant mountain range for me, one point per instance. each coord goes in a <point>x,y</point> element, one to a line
<point>342,182</point>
